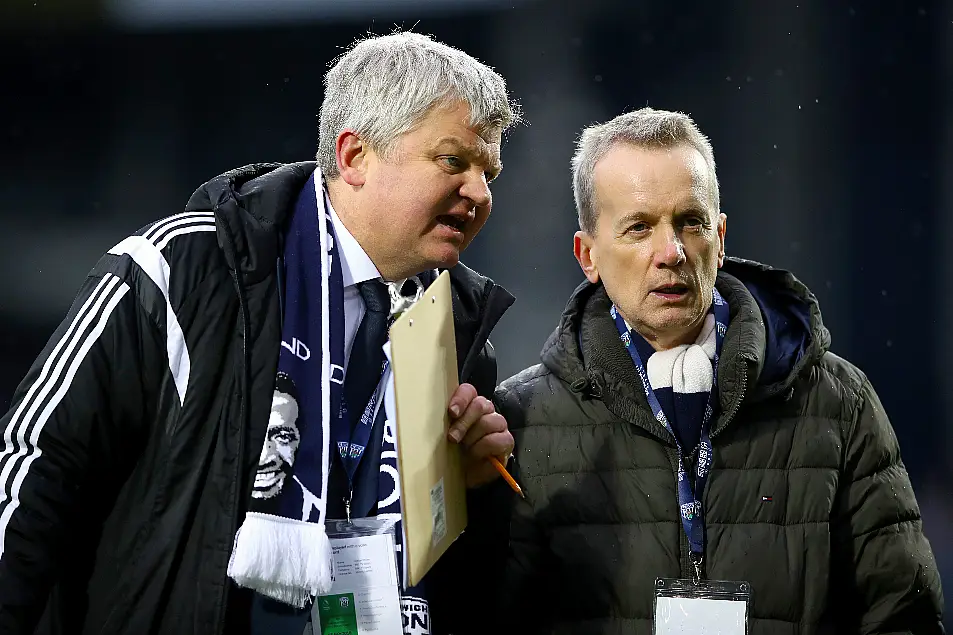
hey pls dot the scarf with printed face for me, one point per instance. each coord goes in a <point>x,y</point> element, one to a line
<point>281,549</point>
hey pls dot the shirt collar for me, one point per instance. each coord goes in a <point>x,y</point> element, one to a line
<point>356,265</point>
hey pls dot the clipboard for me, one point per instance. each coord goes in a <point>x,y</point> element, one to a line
<point>432,484</point>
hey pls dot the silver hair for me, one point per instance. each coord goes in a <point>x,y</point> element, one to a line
<point>382,87</point>
<point>646,128</point>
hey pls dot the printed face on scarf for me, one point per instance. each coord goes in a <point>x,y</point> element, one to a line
<point>281,444</point>
<point>430,193</point>
<point>658,242</point>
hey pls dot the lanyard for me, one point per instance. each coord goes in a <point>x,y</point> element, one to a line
<point>689,503</point>
<point>351,443</point>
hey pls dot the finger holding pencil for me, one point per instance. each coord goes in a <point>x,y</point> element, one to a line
<point>483,435</point>
<point>507,477</point>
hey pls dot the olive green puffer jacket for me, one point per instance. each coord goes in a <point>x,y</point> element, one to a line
<point>808,499</point>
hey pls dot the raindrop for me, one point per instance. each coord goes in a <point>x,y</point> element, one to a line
<point>598,78</point>
<point>775,146</point>
<point>889,343</point>
<point>883,292</point>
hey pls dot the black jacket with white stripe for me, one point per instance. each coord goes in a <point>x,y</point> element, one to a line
<point>131,445</point>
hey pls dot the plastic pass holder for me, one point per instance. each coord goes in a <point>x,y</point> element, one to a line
<point>364,598</point>
<point>702,607</point>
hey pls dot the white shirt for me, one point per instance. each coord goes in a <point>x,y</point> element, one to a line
<point>356,267</point>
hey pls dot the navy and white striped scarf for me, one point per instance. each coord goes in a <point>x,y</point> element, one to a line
<point>682,379</point>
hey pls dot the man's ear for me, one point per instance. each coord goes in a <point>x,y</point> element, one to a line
<point>352,153</point>
<point>722,227</point>
<point>584,249</point>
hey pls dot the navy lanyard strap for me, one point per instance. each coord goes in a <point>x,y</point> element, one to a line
<point>689,504</point>
<point>351,443</point>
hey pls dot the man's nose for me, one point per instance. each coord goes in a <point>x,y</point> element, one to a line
<point>670,252</point>
<point>477,189</point>
<point>266,452</point>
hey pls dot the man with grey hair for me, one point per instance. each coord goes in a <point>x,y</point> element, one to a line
<point>142,491</point>
<point>689,436</point>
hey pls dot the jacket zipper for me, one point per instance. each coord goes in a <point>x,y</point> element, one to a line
<point>698,563</point>
<point>590,383</point>
<point>243,413</point>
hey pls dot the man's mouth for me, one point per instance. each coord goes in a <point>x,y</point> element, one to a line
<point>267,479</point>
<point>671,290</point>
<point>454,222</point>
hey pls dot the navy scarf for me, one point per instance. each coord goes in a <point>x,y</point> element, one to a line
<point>282,550</point>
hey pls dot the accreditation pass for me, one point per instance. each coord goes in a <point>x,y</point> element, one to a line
<point>700,607</point>
<point>364,598</point>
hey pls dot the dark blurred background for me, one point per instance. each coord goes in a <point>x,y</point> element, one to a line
<point>832,125</point>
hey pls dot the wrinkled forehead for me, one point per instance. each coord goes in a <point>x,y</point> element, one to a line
<point>676,175</point>
<point>487,140</point>
<point>701,175</point>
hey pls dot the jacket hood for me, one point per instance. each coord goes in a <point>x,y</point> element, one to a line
<point>794,331</point>
<point>252,205</point>
<point>775,325</point>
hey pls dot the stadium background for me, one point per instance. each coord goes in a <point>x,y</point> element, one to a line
<point>832,124</point>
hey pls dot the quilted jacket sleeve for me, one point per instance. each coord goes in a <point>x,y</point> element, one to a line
<point>881,555</point>
<point>71,429</point>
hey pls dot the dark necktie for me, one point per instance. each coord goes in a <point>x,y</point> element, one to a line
<point>367,355</point>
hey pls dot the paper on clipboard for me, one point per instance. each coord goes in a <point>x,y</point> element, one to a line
<point>423,355</point>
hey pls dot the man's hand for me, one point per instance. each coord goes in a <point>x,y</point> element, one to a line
<point>481,430</point>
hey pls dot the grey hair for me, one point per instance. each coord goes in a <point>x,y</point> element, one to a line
<point>646,128</point>
<point>382,87</point>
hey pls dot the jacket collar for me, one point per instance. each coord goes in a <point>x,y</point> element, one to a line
<point>585,350</point>
<point>253,205</point>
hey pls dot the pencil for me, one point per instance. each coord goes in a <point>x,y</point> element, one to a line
<point>506,476</point>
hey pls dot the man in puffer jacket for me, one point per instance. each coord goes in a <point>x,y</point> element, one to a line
<point>689,422</point>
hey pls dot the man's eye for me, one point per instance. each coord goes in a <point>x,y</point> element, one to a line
<point>695,222</point>
<point>639,227</point>
<point>453,162</point>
